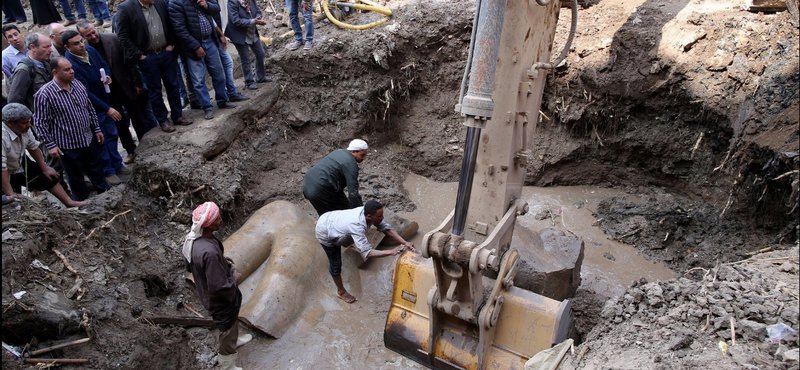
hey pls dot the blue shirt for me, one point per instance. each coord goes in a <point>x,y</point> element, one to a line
<point>11,56</point>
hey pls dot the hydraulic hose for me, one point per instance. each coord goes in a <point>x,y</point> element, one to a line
<point>370,6</point>
<point>471,50</point>
<point>533,73</point>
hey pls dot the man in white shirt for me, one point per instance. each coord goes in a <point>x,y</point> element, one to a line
<point>336,229</point>
<point>18,169</point>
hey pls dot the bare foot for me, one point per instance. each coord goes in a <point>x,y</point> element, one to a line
<point>78,204</point>
<point>347,297</point>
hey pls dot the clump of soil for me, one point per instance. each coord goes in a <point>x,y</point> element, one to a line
<point>680,323</point>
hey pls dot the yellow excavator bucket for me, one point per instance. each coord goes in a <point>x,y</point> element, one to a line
<point>527,323</point>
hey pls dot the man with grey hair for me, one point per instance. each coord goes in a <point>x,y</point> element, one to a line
<point>54,30</point>
<point>31,73</point>
<point>18,169</point>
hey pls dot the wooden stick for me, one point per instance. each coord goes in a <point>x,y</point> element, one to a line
<point>581,353</point>
<point>181,320</point>
<point>733,332</point>
<point>101,227</point>
<point>53,348</point>
<point>56,360</point>
<point>66,264</point>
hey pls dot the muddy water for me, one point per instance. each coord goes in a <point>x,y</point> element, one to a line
<point>334,335</point>
<point>608,267</point>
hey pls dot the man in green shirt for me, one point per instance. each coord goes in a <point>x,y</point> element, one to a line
<point>324,183</point>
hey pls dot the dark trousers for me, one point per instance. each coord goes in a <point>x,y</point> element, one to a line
<point>78,161</point>
<point>227,339</point>
<point>156,68</point>
<point>334,259</point>
<point>130,114</point>
<point>14,11</point>
<point>244,57</point>
<point>31,177</point>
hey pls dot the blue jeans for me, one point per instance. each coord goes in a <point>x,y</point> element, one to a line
<point>67,9</point>
<point>99,8</point>
<point>197,69</point>
<point>14,11</point>
<point>244,57</point>
<point>156,68</point>
<point>112,161</point>
<point>76,161</point>
<point>227,62</point>
<point>294,6</point>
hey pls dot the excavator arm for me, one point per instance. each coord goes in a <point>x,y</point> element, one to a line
<point>445,313</point>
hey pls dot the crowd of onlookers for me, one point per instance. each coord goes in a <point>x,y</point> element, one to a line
<point>81,89</point>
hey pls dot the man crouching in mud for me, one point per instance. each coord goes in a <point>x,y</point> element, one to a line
<point>336,229</point>
<point>216,281</point>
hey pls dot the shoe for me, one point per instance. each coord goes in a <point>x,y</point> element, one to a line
<point>113,180</point>
<point>184,103</point>
<point>252,86</point>
<point>183,121</point>
<point>69,22</point>
<point>167,127</point>
<point>21,22</point>
<point>226,104</point>
<point>228,362</point>
<point>308,45</point>
<point>264,79</point>
<point>209,114</point>
<point>129,158</point>
<point>243,339</point>
<point>294,45</point>
<point>124,171</point>
<point>98,23</point>
<point>196,105</point>
<point>237,97</point>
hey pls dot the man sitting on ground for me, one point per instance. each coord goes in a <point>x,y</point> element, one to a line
<point>18,169</point>
<point>336,229</point>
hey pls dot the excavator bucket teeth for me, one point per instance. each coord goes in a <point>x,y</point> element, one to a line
<point>528,323</point>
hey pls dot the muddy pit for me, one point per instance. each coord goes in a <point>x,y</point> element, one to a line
<point>668,143</point>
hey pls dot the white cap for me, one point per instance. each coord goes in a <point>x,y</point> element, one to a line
<point>357,145</point>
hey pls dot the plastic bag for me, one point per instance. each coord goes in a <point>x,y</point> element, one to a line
<point>779,332</point>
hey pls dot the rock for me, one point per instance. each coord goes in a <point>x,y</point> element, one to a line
<point>655,295</point>
<point>54,318</point>
<point>680,342</point>
<point>751,329</point>
<point>550,262</point>
<point>740,68</point>
<point>690,40</point>
<point>791,355</point>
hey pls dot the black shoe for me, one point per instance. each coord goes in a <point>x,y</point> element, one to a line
<point>264,79</point>
<point>196,105</point>
<point>209,114</point>
<point>252,86</point>
<point>226,104</point>
<point>237,97</point>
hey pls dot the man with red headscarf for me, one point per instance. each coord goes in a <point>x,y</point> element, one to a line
<point>216,281</point>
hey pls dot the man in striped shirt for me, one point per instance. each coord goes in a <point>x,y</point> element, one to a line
<point>67,124</point>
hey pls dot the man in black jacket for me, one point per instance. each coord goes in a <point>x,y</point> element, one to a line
<point>146,35</point>
<point>195,30</point>
<point>125,88</point>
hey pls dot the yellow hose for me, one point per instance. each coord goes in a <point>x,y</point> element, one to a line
<point>370,6</point>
